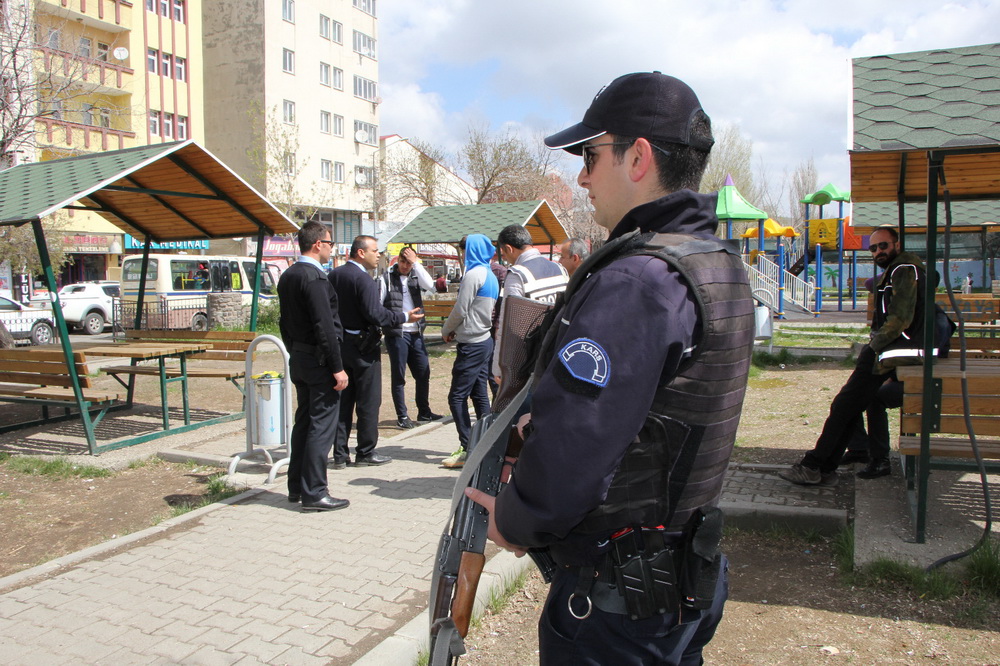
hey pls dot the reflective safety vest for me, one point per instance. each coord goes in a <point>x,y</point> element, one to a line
<point>542,278</point>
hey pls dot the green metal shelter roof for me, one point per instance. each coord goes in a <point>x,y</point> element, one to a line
<point>170,191</point>
<point>966,215</point>
<point>448,224</point>
<point>927,99</point>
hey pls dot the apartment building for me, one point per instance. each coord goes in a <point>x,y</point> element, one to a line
<point>293,104</point>
<point>100,75</point>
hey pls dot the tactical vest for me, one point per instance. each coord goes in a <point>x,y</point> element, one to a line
<point>543,279</point>
<point>908,347</point>
<point>678,461</point>
<point>394,299</point>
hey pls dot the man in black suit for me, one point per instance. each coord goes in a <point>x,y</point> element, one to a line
<point>362,315</point>
<point>311,334</point>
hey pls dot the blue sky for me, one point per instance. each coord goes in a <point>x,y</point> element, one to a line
<point>779,70</point>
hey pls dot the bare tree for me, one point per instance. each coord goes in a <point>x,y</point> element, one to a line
<point>278,164</point>
<point>51,80</point>
<point>504,167</point>
<point>414,174</point>
<point>804,181</point>
<point>732,155</point>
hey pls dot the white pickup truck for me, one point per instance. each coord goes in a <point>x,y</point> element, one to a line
<point>89,305</point>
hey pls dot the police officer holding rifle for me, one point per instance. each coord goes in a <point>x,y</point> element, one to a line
<point>639,386</point>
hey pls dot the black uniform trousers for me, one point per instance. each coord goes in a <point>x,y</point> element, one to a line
<point>314,427</point>
<point>860,392</point>
<point>610,638</point>
<point>364,395</point>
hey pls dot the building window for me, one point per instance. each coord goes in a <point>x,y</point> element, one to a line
<point>364,176</point>
<point>288,10</point>
<point>56,109</point>
<point>288,112</point>
<point>151,5</point>
<point>179,10</point>
<point>180,69</point>
<point>324,122</point>
<point>288,61</point>
<point>338,78</point>
<point>325,170</point>
<point>52,39</point>
<point>338,125</point>
<point>364,44</point>
<point>83,48</point>
<point>365,133</point>
<point>106,118</point>
<point>289,161</point>
<point>87,114</point>
<point>102,52</point>
<point>338,172</point>
<point>168,125</point>
<point>365,88</point>
<point>337,33</point>
<point>166,68</point>
<point>152,56</point>
<point>182,127</point>
<point>324,74</point>
<point>165,8</point>
<point>367,6</point>
<point>324,26</point>
<point>154,123</point>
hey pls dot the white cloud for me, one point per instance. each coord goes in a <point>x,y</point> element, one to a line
<point>780,69</point>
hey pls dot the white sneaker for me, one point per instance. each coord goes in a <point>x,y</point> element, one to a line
<point>457,459</point>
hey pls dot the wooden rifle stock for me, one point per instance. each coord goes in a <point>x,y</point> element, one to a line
<point>469,572</point>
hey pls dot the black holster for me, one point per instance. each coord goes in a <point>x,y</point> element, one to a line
<point>368,341</point>
<point>702,558</point>
<point>645,572</point>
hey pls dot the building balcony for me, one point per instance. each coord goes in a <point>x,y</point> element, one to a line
<point>105,14</point>
<point>82,137</point>
<point>106,76</point>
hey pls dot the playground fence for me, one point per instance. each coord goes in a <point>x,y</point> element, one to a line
<point>764,283</point>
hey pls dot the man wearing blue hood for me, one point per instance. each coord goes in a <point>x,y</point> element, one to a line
<point>638,389</point>
<point>469,323</point>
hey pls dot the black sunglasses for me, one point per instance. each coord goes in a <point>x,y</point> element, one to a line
<point>879,246</point>
<point>590,155</point>
<point>328,242</point>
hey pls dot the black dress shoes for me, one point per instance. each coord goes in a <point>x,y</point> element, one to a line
<point>326,504</point>
<point>340,464</point>
<point>372,459</point>
<point>854,456</point>
<point>428,417</point>
<point>294,498</point>
<point>405,423</point>
<point>875,468</point>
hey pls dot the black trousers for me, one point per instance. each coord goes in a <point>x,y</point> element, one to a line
<point>315,423</point>
<point>854,399</point>
<point>608,638</point>
<point>468,380</point>
<point>362,395</point>
<point>408,351</point>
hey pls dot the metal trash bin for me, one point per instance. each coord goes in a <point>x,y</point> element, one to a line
<point>764,324</point>
<point>268,396</point>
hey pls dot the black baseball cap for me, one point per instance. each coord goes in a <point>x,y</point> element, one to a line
<point>651,105</point>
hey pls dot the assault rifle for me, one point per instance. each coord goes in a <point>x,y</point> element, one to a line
<point>494,444</point>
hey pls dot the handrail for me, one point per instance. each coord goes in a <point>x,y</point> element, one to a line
<point>765,283</point>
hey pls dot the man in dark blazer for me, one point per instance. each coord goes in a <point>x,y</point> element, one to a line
<point>311,333</point>
<point>362,315</point>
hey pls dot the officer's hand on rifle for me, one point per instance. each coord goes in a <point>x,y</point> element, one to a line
<point>487,501</point>
<point>339,380</point>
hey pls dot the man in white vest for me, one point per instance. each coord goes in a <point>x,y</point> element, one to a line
<point>530,275</point>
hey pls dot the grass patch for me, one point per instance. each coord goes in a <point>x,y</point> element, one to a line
<point>843,550</point>
<point>4,457</point>
<point>983,569</point>
<point>59,468</point>
<point>937,584</point>
<point>151,461</point>
<point>216,490</point>
<point>764,360</point>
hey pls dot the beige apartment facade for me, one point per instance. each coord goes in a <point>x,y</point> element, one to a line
<point>293,103</point>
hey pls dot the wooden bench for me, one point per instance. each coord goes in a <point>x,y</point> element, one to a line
<point>949,444</point>
<point>40,376</point>
<point>437,311</point>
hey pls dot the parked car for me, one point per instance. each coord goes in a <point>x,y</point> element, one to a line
<point>89,305</point>
<point>27,323</point>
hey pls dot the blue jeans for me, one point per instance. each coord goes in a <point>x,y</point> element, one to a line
<point>468,380</point>
<point>408,351</point>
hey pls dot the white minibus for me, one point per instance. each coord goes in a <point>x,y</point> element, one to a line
<point>177,287</point>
